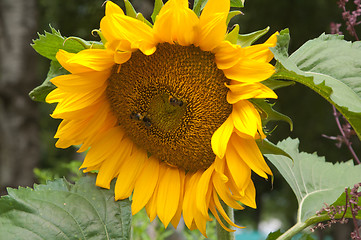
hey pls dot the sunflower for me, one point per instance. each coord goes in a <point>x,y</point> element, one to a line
<point>164,110</point>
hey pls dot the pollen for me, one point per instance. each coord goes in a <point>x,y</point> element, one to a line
<point>170,103</point>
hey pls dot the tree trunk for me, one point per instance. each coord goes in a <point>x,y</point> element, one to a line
<point>19,132</point>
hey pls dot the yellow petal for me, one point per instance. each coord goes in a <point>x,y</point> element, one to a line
<point>111,165</point>
<point>204,190</point>
<point>249,70</point>
<point>221,137</point>
<point>212,25</point>
<point>223,191</point>
<point>104,147</point>
<point>75,101</point>
<point>261,52</point>
<point>189,197</point>
<point>121,57</point>
<point>112,8</point>
<point>55,96</point>
<point>228,54</point>
<point>215,214</point>
<point>246,118</point>
<point>168,194</point>
<point>128,173</point>
<point>239,170</point>
<point>244,91</point>
<point>249,198</point>
<point>119,27</point>
<point>178,214</point>
<point>220,209</point>
<point>81,82</point>
<point>88,60</point>
<point>145,184</point>
<point>176,23</point>
<point>248,150</point>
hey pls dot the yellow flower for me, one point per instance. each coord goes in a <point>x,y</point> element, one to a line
<point>164,110</point>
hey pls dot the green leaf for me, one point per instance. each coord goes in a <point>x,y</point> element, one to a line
<point>269,114</point>
<point>158,4</point>
<point>49,44</point>
<point>61,210</point>
<point>237,3</point>
<point>142,18</point>
<point>232,36</point>
<point>39,93</point>
<point>328,65</point>
<point>274,235</point>
<point>313,180</point>
<point>341,201</point>
<point>276,84</point>
<point>232,14</point>
<point>198,5</point>
<point>246,40</point>
<point>267,147</point>
<point>130,11</point>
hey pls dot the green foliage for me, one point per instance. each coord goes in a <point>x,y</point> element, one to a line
<point>39,93</point>
<point>274,235</point>
<point>130,11</point>
<point>246,40</point>
<point>158,4</point>
<point>269,114</point>
<point>69,170</point>
<point>328,65</point>
<point>237,3</point>
<point>314,181</point>
<point>49,44</point>
<point>64,211</point>
<point>267,147</point>
<point>198,5</point>
<point>341,201</point>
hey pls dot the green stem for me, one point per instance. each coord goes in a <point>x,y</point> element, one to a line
<point>223,234</point>
<point>298,227</point>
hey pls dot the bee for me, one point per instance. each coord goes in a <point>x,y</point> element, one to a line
<point>140,117</point>
<point>175,102</point>
<point>136,116</point>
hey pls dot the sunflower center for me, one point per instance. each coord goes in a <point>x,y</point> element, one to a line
<point>170,103</point>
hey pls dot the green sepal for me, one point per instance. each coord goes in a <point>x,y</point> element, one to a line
<point>158,4</point>
<point>49,44</point>
<point>269,114</point>
<point>246,40</point>
<point>129,9</point>
<point>276,83</point>
<point>39,93</point>
<point>87,44</point>
<point>198,5</point>
<point>268,147</point>
<point>142,18</point>
<point>237,3</point>
<point>100,34</point>
<point>232,36</point>
<point>232,14</point>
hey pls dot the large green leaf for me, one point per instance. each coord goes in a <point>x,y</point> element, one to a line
<point>313,180</point>
<point>49,44</point>
<point>39,93</point>
<point>328,65</point>
<point>60,210</point>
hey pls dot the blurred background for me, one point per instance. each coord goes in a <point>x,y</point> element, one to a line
<point>27,152</point>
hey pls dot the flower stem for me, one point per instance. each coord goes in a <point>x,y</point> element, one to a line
<point>223,234</point>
